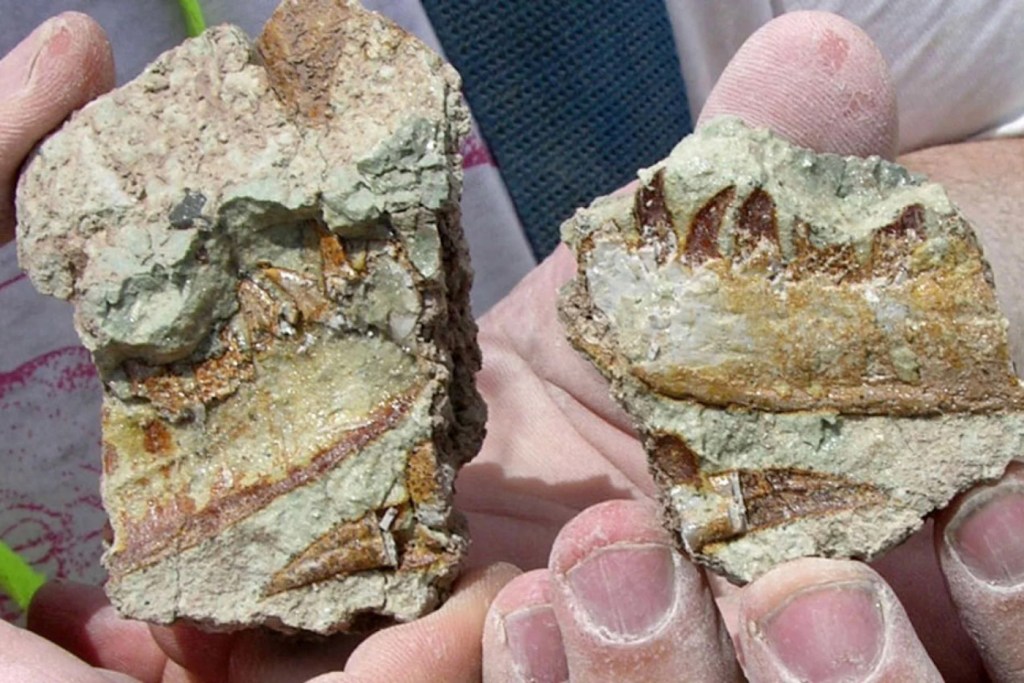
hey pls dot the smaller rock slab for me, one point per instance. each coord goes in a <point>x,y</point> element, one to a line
<point>809,345</point>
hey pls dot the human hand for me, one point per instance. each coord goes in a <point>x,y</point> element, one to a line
<point>615,602</point>
<point>58,68</point>
<point>558,445</point>
<point>75,636</point>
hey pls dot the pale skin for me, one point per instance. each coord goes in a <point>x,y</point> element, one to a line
<point>561,489</point>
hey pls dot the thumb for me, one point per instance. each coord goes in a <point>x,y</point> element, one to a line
<point>828,620</point>
<point>981,548</point>
<point>58,68</point>
<point>816,79</point>
<point>443,646</point>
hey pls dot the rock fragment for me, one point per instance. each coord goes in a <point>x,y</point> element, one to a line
<point>809,345</point>
<point>263,248</point>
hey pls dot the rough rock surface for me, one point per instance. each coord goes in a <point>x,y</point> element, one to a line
<point>809,345</point>
<point>262,244</point>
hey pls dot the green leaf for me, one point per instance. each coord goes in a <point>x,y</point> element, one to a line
<point>17,578</point>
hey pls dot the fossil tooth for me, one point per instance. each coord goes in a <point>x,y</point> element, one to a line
<point>809,345</point>
<point>263,249</point>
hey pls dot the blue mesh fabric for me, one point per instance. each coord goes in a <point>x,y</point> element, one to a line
<point>572,96</point>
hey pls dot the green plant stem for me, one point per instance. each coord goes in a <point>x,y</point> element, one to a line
<point>194,22</point>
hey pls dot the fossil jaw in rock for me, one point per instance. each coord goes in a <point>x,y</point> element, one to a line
<point>809,345</point>
<point>262,244</point>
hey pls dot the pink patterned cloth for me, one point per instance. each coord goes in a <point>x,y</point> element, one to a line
<point>50,509</point>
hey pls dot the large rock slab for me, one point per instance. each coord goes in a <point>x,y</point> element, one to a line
<point>262,245</point>
<point>809,345</point>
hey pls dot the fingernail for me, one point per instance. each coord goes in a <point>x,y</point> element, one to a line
<point>535,643</point>
<point>17,68</point>
<point>829,633</point>
<point>987,535</point>
<point>625,592</point>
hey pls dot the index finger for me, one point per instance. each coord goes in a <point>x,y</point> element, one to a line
<point>59,67</point>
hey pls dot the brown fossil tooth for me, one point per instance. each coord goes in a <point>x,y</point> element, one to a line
<point>348,548</point>
<point>280,319</point>
<point>672,460</point>
<point>702,237</point>
<point>654,220</point>
<point>756,231</point>
<point>823,366</point>
<point>893,243</point>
